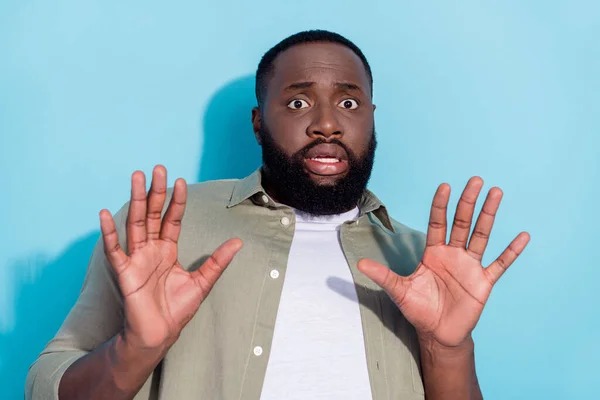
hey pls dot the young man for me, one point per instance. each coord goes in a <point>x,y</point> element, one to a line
<point>329,298</point>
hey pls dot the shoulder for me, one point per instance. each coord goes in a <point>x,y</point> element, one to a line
<point>413,241</point>
<point>209,198</point>
<point>405,230</point>
<point>400,249</point>
<point>200,196</point>
<point>217,190</point>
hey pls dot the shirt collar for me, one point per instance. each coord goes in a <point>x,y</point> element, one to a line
<point>251,185</point>
<point>246,188</point>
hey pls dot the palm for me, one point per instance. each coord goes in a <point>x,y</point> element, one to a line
<point>160,297</point>
<point>436,300</point>
<point>157,292</point>
<point>445,296</point>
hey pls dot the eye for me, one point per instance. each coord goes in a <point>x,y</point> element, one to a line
<point>297,104</point>
<point>348,104</point>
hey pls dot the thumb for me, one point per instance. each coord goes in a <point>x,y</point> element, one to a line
<point>393,284</point>
<point>211,270</point>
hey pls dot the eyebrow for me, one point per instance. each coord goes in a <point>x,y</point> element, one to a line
<point>347,86</point>
<point>337,85</point>
<point>298,85</point>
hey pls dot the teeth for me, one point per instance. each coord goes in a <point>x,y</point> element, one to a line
<point>326,160</point>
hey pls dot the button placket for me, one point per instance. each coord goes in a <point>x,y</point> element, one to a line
<point>281,236</point>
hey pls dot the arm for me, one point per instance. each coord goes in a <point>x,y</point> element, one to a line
<point>88,356</point>
<point>136,300</point>
<point>449,373</point>
<point>113,371</point>
<point>444,297</point>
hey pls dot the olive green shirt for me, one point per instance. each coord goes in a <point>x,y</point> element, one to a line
<point>213,358</point>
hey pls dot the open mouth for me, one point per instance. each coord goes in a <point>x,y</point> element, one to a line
<point>322,165</point>
<point>326,159</point>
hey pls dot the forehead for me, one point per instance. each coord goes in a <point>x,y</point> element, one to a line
<point>322,63</point>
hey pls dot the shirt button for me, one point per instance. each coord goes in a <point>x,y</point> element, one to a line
<point>285,221</point>
<point>274,274</point>
<point>257,351</point>
<point>264,199</point>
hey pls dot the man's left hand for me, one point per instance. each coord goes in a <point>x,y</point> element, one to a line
<point>444,297</point>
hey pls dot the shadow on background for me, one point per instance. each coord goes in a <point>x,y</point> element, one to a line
<point>40,308</point>
<point>229,150</point>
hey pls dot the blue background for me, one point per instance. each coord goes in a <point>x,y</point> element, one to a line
<point>92,90</point>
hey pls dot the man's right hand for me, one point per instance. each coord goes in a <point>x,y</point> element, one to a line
<point>160,297</point>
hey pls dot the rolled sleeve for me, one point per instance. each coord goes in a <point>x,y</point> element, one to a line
<point>46,372</point>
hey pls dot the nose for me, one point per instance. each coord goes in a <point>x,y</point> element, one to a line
<point>324,123</point>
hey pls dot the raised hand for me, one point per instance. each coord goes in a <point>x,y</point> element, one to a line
<point>444,297</point>
<point>160,297</point>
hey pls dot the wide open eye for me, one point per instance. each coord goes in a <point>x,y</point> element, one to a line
<point>297,104</point>
<point>348,104</point>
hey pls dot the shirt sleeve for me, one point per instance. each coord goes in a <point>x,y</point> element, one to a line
<point>96,317</point>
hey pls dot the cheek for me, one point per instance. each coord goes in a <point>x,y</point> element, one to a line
<point>289,133</point>
<point>359,123</point>
<point>359,144</point>
<point>359,134</point>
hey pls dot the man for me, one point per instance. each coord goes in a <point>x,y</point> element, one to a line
<point>329,298</point>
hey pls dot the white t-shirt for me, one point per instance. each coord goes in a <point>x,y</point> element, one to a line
<point>318,349</point>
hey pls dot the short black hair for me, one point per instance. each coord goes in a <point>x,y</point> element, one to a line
<point>265,66</point>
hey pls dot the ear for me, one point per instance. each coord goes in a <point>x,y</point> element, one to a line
<point>256,123</point>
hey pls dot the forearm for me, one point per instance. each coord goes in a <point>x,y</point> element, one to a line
<point>112,371</point>
<point>449,374</point>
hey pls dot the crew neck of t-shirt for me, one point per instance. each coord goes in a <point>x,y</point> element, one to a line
<point>332,220</point>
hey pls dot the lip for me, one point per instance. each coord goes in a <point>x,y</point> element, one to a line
<point>326,152</point>
<point>326,168</point>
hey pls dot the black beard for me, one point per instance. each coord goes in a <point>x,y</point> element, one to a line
<point>293,186</point>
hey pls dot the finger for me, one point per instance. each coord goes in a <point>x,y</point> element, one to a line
<point>208,273</point>
<point>156,202</point>
<point>112,249</point>
<point>136,218</point>
<point>508,256</point>
<point>464,213</point>
<point>436,230</point>
<point>171,224</point>
<point>393,284</point>
<point>485,222</point>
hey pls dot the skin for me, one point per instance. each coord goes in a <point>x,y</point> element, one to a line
<point>443,299</point>
<point>323,77</point>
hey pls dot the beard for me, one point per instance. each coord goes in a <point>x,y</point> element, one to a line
<point>286,177</point>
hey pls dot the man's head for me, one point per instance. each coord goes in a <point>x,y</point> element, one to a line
<point>315,123</point>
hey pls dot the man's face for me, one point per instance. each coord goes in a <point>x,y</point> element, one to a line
<point>316,128</point>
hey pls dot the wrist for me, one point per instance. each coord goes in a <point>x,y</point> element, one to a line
<point>150,344</point>
<point>449,371</point>
<point>437,351</point>
<point>128,360</point>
